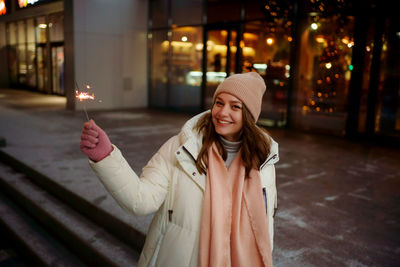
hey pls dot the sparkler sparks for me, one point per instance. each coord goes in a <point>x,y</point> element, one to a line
<point>82,96</point>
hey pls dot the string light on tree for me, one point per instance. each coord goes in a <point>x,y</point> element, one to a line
<point>323,97</point>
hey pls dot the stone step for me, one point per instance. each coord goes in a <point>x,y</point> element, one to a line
<point>90,242</point>
<point>112,224</point>
<point>34,242</point>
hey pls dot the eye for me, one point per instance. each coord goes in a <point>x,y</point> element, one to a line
<point>219,103</point>
<point>237,107</point>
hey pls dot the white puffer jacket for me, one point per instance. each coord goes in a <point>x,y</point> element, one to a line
<point>171,186</point>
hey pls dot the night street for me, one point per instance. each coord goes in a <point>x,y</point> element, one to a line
<point>148,183</point>
<point>337,199</point>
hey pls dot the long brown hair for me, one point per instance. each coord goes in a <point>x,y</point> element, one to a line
<point>255,147</point>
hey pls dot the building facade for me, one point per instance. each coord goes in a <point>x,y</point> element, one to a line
<point>58,47</point>
<point>330,66</point>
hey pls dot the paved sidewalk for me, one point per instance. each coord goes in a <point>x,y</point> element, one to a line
<point>338,200</point>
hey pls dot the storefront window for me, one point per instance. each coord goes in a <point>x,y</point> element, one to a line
<point>22,66</point>
<point>56,27</point>
<point>56,33</point>
<point>35,52</point>
<point>42,54</point>
<point>387,121</point>
<point>159,50</point>
<point>325,72</point>
<point>266,50</point>
<point>220,59</point>
<point>57,57</point>
<point>31,55</point>
<point>12,52</point>
<point>185,85</point>
<point>12,33</point>
<point>41,30</point>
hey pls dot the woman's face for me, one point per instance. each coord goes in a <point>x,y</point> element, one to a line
<point>227,116</point>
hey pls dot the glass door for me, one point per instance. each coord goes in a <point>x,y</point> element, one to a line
<point>12,52</point>
<point>385,118</point>
<point>221,59</point>
<point>266,50</point>
<point>57,63</point>
<point>42,68</point>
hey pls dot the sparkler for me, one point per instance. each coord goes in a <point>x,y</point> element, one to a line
<point>82,96</point>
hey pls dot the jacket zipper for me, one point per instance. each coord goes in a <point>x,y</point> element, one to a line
<point>170,211</point>
<point>170,215</point>
<point>265,199</point>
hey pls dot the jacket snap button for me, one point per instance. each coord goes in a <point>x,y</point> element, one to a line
<point>178,152</point>
<point>194,174</point>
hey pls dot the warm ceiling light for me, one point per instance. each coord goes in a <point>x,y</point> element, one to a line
<point>320,39</point>
<point>250,36</point>
<point>314,26</point>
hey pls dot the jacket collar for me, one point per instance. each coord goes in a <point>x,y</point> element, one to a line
<point>273,155</point>
<point>190,138</point>
<point>187,153</point>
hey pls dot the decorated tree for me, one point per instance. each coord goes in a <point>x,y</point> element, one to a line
<point>326,77</point>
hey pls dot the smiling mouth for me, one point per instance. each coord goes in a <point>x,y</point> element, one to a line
<point>224,122</point>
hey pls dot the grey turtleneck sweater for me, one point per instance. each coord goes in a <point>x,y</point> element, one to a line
<point>231,148</point>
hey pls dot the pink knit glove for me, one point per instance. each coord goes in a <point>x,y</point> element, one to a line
<point>94,142</point>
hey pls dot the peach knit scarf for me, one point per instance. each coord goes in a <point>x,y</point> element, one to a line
<point>234,224</point>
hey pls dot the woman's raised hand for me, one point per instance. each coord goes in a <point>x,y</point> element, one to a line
<point>95,142</point>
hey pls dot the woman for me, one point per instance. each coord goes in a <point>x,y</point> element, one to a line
<point>212,186</point>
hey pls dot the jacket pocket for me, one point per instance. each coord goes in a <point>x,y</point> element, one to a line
<point>176,248</point>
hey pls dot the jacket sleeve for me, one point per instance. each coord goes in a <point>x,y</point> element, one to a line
<point>143,195</point>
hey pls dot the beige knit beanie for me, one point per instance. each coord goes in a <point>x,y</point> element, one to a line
<point>248,87</point>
